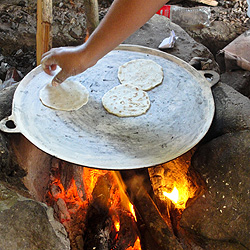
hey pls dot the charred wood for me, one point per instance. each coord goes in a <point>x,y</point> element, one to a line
<point>98,222</point>
<point>156,225</point>
<point>128,232</point>
<point>101,232</point>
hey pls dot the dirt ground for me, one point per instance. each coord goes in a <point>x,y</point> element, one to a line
<point>18,28</point>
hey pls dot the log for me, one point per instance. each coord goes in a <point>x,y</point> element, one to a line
<point>156,225</point>
<point>67,183</point>
<point>44,34</point>
<point>100,229</point>
<point>98,223</point>
<point>128,232</point>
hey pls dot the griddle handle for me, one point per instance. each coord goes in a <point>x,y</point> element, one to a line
<point>8,125</point>
<point>211,76</point>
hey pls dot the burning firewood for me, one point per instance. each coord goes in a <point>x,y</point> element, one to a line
<point>92,206</point>
<point>161,232</point>
<point>101,230</point>
<point>98,223</point>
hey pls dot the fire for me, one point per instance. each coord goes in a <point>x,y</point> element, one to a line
<point>175,180</point>
<point>69,195</point>
<point>179,195</point>
<point>90,177</point>
<point>73,197</point>
<point>137,245</point>
<point>131,207</point>
<point>173,196</point>
<point>117,226</point>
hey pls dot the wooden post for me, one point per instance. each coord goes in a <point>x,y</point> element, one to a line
<point>92,17</point>
<point>44,21</point>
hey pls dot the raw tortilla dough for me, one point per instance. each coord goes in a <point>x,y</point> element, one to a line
<point>142,73</point>
<point>69,95</point>
<point>126,100</point>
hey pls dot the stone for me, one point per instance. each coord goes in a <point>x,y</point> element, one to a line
<point>232,111</point>
<point>8,197</point>
<point>239,80</point>
<point>6,96</point>
<point>226,245</point>
<point>158,28</point>
<point>9,169</point>
<point>38,235</point>
<point>222,211</point>
<point>218,34</point>
<point>22,34</point>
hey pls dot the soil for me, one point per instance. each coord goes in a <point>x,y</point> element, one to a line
<point>18,28</point>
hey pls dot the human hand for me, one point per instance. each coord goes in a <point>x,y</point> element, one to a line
<point>71,60</point>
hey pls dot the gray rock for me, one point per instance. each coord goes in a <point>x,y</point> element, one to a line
<point>6,96</point>
<point>158,28</point>
<point>232,111</point>
<point>26,225</point>
<point>222,245</point>
<point>8,197</point>
<point>217,35</point>
<point>9,169</point>
<point>239,80</point>
<point>68,26</point>
<point>222,212</point>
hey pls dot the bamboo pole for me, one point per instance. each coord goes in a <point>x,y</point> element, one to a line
<point>44,21</point>
<point>92,17</point>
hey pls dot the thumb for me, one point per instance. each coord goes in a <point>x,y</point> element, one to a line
<point>59,78</point>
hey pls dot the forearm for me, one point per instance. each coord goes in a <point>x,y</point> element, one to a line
<point>123,19</point>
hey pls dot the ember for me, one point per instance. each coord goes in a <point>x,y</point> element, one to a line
<point>173,196</point>
<point>94,210</point>
<point>172,181</point>
<point>99,208</point>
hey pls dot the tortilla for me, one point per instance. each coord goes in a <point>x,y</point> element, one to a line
<point>142,73</point>
<point>126,100</point>
<point>69,95</point>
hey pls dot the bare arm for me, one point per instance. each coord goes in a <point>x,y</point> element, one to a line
<point>123,18</point>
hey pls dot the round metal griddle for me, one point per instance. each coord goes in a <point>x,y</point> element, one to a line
<point>181,112</point>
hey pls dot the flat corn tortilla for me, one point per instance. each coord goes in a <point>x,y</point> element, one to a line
<point>69,95</point>
<point>126,100</point>
<point>142,73</point>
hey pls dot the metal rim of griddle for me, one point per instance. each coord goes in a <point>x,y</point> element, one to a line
<point>130,160</point>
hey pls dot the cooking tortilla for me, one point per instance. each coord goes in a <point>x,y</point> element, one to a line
<point>69,95</point>
<point>126,100</point>
<point>142,73</point>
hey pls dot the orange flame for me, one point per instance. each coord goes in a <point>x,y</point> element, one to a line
<point>87,36</point>
<point>90,177</point>
<point>69,195</point>
<point>137,245</point>
<point>117,226</point>
<point>132,210</point>
<point>178,196</point>
<point>173,196</point>
<point>73,199</point>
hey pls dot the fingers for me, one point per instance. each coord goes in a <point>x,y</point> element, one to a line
<point>48,64</point>
<point>67,58</point>
<point>49,61</point>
